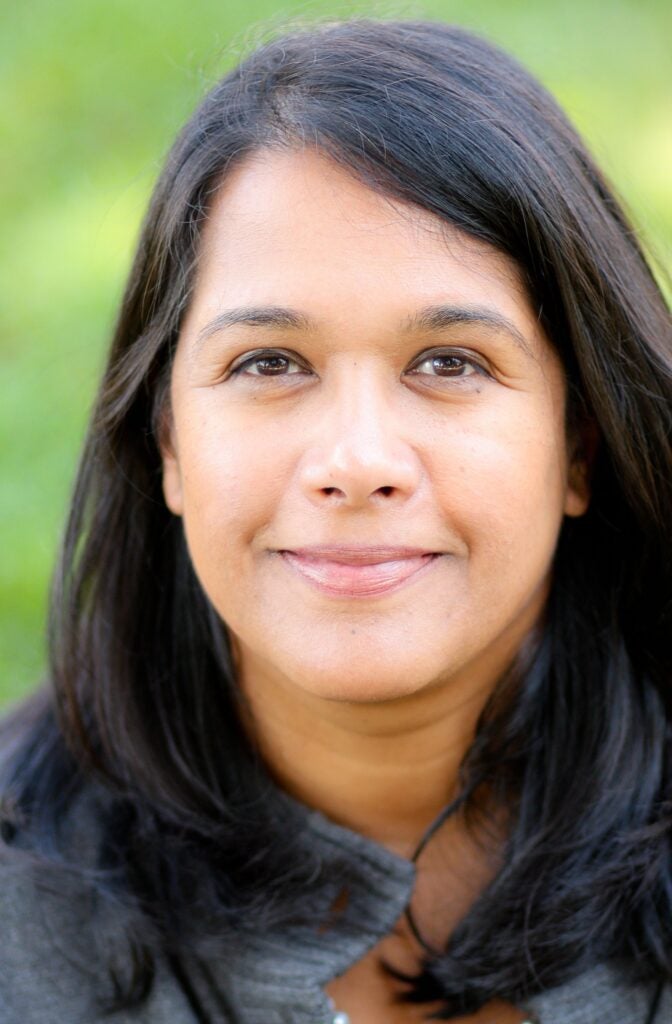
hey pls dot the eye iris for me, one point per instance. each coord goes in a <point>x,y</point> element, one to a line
<point>270,365</point>
<point>447,366</point>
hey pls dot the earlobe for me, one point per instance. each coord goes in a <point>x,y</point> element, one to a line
<point>171,476</point>
<point>577,497</point>
<point>172,483</point>
<point>579,479</point>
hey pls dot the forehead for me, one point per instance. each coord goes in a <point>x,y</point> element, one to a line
<point>295,228</point>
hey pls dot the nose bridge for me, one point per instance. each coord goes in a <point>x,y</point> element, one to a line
<point>361,450</point>
<point>362,413</point>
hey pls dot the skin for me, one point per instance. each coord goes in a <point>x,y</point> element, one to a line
<point>369,434</point>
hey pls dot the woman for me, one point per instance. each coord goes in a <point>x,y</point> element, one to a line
<point>360,663</point>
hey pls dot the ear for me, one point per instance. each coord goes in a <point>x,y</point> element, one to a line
<point>580,472</point>
<point>172,477</point>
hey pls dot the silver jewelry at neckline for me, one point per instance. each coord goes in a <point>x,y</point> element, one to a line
<point>342,1018</point>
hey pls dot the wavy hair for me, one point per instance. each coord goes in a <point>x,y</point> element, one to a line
<point>142,692</point>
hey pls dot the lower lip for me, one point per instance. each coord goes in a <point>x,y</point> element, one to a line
<point>345,580</point>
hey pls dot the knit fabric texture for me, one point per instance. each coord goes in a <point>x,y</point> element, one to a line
<point>55,945</point>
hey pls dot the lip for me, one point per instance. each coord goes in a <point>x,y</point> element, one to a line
<point>359,571</point>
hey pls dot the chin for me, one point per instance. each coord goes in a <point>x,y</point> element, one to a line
<point>382,693</point>
<point>374,686</point>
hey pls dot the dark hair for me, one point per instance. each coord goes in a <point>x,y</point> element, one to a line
<point>143,693</point>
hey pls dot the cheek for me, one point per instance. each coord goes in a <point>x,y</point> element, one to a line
<point>504,490</point>
<point>232,480</point>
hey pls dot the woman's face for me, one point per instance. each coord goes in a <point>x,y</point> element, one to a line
<point>366,439</point>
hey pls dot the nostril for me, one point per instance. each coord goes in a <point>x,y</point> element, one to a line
<point>386,491</point>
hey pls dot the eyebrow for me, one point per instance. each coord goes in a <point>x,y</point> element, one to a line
<point>433,319</point>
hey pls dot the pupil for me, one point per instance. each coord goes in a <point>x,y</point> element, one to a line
<point>446,364</point>
<point>272,364</point>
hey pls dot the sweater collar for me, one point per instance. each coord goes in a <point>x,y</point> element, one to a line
<point>283,971</point>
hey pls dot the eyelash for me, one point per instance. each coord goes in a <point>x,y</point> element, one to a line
<point>431,354</point>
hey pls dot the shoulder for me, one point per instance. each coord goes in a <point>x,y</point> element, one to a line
<point>47,914</point>
<point>53,949</point>
<point>41,965</point>
<point>604,994</point>
<point>56,941</point>
<point>58,937</point>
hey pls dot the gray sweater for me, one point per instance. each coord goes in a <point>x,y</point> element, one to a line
<point>54,946</point>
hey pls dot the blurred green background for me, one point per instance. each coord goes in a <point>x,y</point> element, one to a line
<point>92,95</point>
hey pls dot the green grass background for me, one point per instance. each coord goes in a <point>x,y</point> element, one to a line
<point>92,95</point>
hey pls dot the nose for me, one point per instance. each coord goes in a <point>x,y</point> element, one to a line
<point>362,454</point>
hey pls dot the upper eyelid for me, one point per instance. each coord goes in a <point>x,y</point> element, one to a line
<point>436,350</point>
<point>450,350</point>
<point>261,353</point>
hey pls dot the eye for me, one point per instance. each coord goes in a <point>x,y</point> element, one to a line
<point>447,364</point>
<point>267,363</point>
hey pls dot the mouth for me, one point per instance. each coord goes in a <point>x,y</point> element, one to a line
<point>359,572</point>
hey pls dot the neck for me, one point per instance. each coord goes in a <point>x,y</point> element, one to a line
<point>385,770</point>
